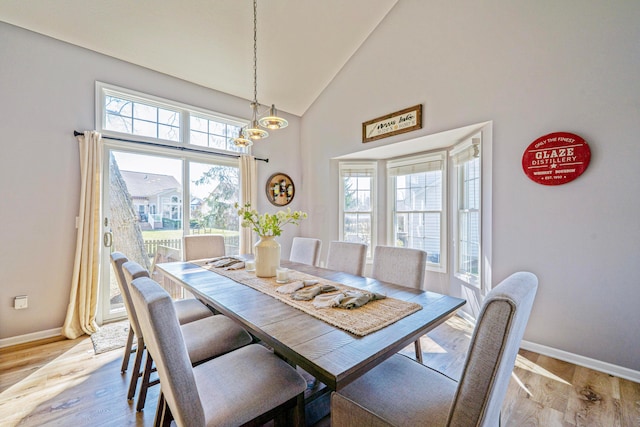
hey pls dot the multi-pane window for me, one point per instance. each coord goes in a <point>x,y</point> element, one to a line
<point>121,111</point>
<point>418,206</point>
<point>138,118</point>
<point>206,132</point>
<point>357,203</point>
<point>466,157</point>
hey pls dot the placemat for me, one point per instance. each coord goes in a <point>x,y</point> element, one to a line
<point>361,321</point>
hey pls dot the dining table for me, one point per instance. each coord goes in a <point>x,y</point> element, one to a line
<point>332,355</point>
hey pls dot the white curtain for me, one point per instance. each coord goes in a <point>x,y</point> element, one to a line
<point>248,194</point>
<point>83,300</point>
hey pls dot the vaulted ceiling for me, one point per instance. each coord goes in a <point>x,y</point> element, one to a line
<point>302,44</point>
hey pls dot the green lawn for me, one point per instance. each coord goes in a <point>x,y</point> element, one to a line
<point>177,234</point>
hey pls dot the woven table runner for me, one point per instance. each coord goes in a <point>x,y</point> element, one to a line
<point>360,321</point>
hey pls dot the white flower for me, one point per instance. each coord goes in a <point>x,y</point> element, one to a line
<point>268,224</point>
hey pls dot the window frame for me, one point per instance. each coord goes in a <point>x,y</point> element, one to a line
<point>441,156</point>
<point>372,168</point>
<point>460,155</point>
<point>186,112</point>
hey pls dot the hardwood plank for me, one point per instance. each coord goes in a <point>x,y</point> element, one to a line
<point>540,384</point>
<point>530,413</point>
<point>592,401</point>
<point>629,403</point>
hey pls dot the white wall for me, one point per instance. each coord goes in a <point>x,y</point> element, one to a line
<point>46,92</point>
<point>532,68</point>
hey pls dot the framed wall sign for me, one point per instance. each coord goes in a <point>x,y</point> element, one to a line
<point>280,189</point>
<point>392,124</point>
<point>556,158</point>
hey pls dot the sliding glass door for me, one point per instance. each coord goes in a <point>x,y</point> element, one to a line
<point>214,190</point>
<point>152,198</point>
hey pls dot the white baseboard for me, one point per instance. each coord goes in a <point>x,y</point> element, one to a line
<point>466,316</point>
<point>576,359</point>
<point>22,339</point>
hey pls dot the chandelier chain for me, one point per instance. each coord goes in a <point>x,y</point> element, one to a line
<point>255,53</point>
<point>253,130</point>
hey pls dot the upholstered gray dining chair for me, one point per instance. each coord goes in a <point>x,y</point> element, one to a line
<point>188,310</point>
<point>117,259</point>
<point>400,266</point>
<point>248,384</point>
<point>401,392</point>
<point>201,246</point>
<point>305,250</point>
<point>347,257</point>
<point>206,335</point>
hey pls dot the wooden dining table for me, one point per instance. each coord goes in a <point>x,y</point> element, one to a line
<point>332,355</point>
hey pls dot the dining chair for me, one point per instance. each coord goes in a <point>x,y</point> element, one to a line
<point>347,257</point>
<point>201,246</point>
<point>401,392</point>
<point>206,335</point>
<point>246,385</point>
<point>305,250</point>
<point>188,310</point>
<point>117,259</point>
<point>403,267</point>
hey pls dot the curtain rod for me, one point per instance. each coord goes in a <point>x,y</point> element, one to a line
<point>194,150</point>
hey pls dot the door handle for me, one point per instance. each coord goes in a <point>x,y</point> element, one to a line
<point>107,239</point>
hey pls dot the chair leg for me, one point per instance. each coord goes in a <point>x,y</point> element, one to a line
<point>157,422</point>
<point>127,351</point>
<point>299,416</point>
<point>135,374</point>
<point>144,385</point>
<point>418,350</point>
<point>167,416</point>
<point>163,413</point>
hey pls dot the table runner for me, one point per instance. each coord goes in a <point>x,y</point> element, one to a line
<point>361,321</point>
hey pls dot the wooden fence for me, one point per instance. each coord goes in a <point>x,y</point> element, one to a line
<point>231,243</point>
<point>151,246</point>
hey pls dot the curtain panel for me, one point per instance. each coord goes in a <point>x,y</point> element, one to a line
<point>83,298</point>
<point>248,194</point>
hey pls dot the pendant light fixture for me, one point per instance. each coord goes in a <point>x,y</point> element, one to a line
<point>272,121</point>
<point>254,130</point>
<point>241,141</point>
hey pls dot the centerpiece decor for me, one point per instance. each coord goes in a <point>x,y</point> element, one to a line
<point>268,227</point>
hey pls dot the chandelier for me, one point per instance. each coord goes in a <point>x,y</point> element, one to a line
<point>255,129</point>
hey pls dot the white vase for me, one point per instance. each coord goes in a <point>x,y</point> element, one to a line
<point>267,253</point>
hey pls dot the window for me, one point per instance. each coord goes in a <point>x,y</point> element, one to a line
<point>466,158</point>
<point>142,119</point>
<point>124,112</point>
<point>357,204</point>
<point>168,192</point>
<point>213,133</point>
<point>417,205</point>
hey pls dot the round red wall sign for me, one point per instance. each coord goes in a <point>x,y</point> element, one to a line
<point>556,158</point>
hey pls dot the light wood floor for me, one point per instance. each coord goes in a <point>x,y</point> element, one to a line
<point>64,383</point>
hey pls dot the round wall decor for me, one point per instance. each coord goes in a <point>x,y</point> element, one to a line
<point>280,189</point>
<point>556,158</point>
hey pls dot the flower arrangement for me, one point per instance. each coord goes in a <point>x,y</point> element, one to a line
<point>268,224</point>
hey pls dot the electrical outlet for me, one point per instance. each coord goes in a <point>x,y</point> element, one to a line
<point>20,302</point>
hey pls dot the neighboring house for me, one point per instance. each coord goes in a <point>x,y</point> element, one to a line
<point>196,205</point>
<point>155,197</point>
